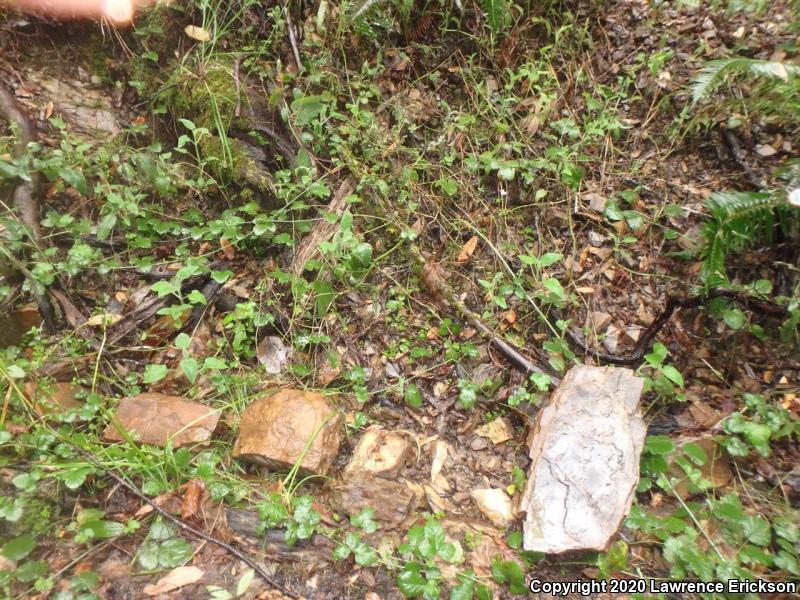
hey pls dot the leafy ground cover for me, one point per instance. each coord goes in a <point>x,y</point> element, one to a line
<point>564,168</point>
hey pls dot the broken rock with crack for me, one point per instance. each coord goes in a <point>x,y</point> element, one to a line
<point>585,450</point>
<point>289,427</point>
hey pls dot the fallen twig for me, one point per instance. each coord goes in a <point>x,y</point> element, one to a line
<point>646,337</point>
<point>438,288</point>
<point>24,193</point>
<point>293,38</point>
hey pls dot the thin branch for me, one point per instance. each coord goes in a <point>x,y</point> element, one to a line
<point>293,38</point>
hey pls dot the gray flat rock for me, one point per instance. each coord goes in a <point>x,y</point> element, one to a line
<point>584,451</point>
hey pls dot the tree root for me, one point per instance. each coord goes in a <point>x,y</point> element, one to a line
<point>646,338</point>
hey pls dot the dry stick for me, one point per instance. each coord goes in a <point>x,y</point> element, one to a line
<point>292,38</point>
<point>645,339</point>
<point>439,288</point>
<point>24,198</point>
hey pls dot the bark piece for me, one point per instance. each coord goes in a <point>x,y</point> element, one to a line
<point>157,418</point>
<point>275,430</point>
<point>380,453</point>
<point>585,449</point>
<point>324,229</point>
<point>391,500</point>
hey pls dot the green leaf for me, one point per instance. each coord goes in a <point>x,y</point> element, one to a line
<point>153,373</point>
<point>75,178</point>
<point>307,108</point>
<point>163,288</point>
<point>189,367</point>
<point>174,552</point>
<point>495,11</point>
<point>196,297</point>
<point>103,529</point>
<point>734,318</point>
<point>182,341</point>
<point>658,444</point>
<point>411,581</point>
<point>696,453</point>
<point>19,547</point>
<point>756,530</point>
<point>212,362</point>
<point>549,258</point>
<point>75,477</point>
<point>672,374</point>
<point>365,555</point>
<point>106,225</point>
<point>31,571</point>
<point>365,520</point>
<point>509,573</point>
<point>412,396</point>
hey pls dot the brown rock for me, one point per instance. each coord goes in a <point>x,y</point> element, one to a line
<point>275,430</point>
<point>380,453</point>
<point>157,418</point>
<point>53,397</point>
<point>391,500</point>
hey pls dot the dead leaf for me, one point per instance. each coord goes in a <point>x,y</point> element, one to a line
<point>228,252</point>
<point>103,320</point>
<point>175,579</point>
<point>194,490</point>
<point>467,250</point>
<point>498,431</point>
<point>439,456</point>
<point>197,33</point>
<point>274,354</point>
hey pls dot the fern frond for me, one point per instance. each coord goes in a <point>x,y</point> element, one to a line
<point>495,13</point>
<point>739,219</point>
<point>717,71</point>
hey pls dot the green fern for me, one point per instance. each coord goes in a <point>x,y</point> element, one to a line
<point>495,11</point>
<point>739,219</point>
<point>715,72</point>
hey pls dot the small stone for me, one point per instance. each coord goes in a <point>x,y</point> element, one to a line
<point>478,444</point>
<point>156,419</point>
<point>495,505</point>
<point>274,431</point>
<point>380,453</point>
<point>55,397</point>
<point>765,150</point>
<point>274,354</point>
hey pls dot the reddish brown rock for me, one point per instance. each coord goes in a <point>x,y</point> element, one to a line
<point>157,418</point>
<point>275,430</point>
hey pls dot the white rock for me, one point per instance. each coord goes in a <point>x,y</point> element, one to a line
<point>585,450</point>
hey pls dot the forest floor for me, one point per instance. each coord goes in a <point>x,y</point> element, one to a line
<point>553,172</point>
